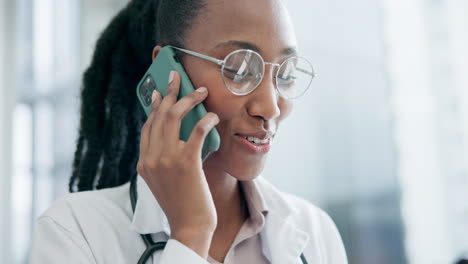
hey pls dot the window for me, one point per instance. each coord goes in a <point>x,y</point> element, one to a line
<point>45,116</point>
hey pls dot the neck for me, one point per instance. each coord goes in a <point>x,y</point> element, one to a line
<point>227,196</point>
<point>230,209</point>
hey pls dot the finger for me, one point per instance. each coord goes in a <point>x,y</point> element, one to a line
<point>199,132</point>
<point>180,110</point>
<point>146,129</point>
<point>156,100</point>
<point>173,88</point>
<point>156,143</point>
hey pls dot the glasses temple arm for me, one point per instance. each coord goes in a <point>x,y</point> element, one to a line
<point>199,55</point>
<point>313,74</point>
<point>221,62</point>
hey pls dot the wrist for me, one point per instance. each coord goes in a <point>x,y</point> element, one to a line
<point>199,240</point>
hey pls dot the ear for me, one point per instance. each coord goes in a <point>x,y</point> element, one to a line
<point>156,50</point>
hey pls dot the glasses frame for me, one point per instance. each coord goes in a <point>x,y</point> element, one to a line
<point>222,63</point>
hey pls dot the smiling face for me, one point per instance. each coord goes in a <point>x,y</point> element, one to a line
<point>220,28</point>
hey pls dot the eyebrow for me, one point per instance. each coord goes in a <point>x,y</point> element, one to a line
<point>251,46</point>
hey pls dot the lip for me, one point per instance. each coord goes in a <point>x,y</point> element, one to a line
<point>254,148</point>
<point>260,135</point>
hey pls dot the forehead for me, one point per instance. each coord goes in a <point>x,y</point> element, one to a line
<point>264,23</point>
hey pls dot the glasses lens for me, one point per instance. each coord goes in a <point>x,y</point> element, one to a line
<point>294,77</point>
<point>242,71</point>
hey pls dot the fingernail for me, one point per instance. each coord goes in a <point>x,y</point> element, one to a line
<point>171,76</point>
<point>216,119</point>
<point>153,96</point>
<point>201,89</point>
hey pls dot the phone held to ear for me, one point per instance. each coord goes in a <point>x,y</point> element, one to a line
<point>156,78</point>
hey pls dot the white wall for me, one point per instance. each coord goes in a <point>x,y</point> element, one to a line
<point>423,211</point>
<point>458,21</point>
<point>427,61</point>
<point>7,99</point>
<point>95,16</point>
<point>458,24</point>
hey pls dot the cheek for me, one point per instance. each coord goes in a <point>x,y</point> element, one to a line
<point>219,100</point>
<point>286,106</point>
<point>209,77</point>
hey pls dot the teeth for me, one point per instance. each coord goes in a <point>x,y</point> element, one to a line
<point>257,140</point>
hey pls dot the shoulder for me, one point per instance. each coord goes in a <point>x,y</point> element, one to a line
<point>85,226</point>
<point>76,212</point>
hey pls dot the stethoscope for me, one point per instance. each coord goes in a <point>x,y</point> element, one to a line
<point>152,246</point>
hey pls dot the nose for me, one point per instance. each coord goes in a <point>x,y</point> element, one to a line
<point>263,102</point>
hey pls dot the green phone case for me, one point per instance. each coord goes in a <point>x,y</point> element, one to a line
<point>157,78</point>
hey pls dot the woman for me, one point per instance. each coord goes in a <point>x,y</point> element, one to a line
<point>215,211</point>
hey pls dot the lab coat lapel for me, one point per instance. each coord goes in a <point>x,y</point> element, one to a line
<point>282,240</point>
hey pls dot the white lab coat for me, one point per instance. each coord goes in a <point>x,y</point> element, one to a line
<point>99,227</point>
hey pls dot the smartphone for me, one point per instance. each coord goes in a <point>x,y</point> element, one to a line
<point>156,78</point>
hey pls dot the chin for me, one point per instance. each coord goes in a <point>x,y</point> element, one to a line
<point>242,171</point>
<point>245,176</point>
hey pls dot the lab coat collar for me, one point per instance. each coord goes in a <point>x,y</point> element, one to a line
<point>285,241</point>
<point>149,218</point>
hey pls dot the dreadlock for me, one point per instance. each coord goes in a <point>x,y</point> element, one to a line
<point>111,117</point>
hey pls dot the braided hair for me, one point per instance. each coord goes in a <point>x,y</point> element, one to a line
<point>111,117</point>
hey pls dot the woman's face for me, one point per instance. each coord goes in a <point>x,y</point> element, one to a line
<point>264,24</point>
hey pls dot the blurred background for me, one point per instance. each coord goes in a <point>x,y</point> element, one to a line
<point>380,141</point>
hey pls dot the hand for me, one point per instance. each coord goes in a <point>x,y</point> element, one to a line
<point>173,168</point>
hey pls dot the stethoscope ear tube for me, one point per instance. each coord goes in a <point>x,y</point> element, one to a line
<point>133,199</point>
<point>133,191</point>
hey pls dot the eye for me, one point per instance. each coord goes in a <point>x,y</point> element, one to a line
<point>287,74</point>
<point>231,71</point>
<point>286,79</point>
<point>235,76</point>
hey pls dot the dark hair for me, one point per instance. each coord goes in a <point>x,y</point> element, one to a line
<point>111,117</point>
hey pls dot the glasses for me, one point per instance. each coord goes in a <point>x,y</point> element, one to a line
<point>243,70</point>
